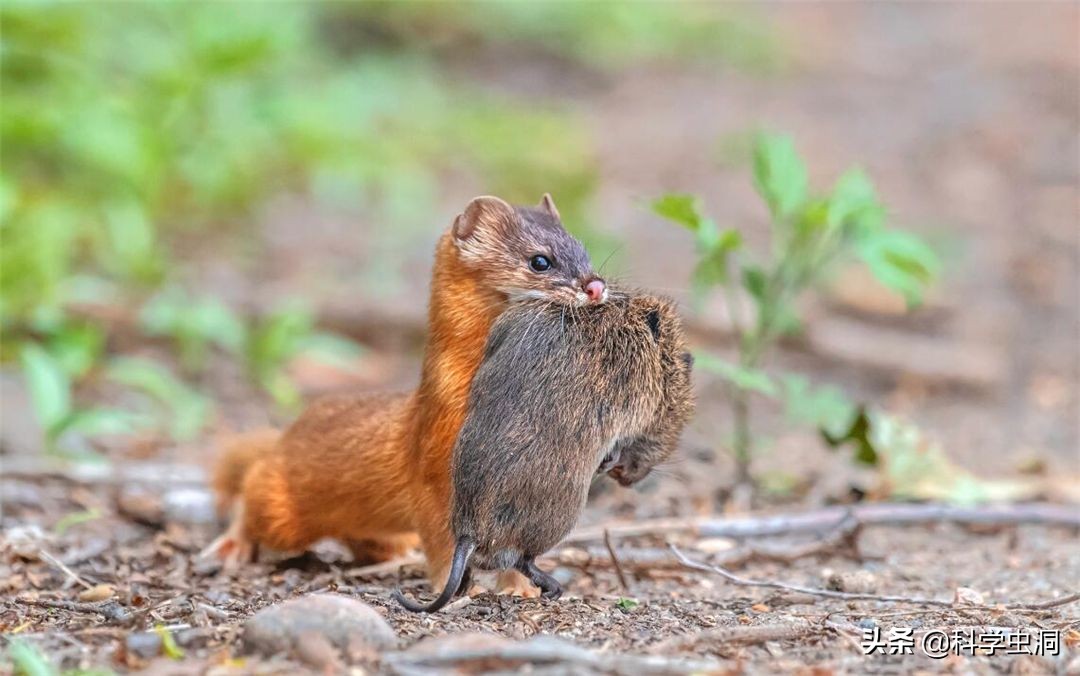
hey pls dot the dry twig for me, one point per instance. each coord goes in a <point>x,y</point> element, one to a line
<point>851,596</point>
<point>110,610</point>
<point>59,565</point>
<point>737,635</point>
<point>546,650</point>
<point>832,518</point>
<point>615,562</point>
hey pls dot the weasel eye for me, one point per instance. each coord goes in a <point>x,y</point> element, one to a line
<point>540,263</point>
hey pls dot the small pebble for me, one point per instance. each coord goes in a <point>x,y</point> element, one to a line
<point>344,622</point>
<point>563,575</point>
<point>968,595</point>
<point>855,582</point>
<point>143,645</point>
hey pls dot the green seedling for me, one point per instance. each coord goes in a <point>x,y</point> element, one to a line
<point>810,234</point>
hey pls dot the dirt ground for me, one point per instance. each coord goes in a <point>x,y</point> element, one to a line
<point>967,116</point>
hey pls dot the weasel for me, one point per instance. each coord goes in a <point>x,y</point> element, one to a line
<point>374,470</point>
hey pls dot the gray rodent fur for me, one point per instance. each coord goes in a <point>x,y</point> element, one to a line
<point>561,394</point>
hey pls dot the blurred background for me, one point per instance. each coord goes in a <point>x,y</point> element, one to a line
<point>213,212</point>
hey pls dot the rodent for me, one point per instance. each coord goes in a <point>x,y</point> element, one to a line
<point>372,469</point>
<point>560,396</point>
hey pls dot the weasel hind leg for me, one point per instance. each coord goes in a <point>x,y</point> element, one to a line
<point>232,548</point>
<point>550,588</point>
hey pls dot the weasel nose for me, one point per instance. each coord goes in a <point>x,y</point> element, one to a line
<point>595,289</point>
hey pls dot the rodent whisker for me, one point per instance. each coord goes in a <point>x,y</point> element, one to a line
<point>668,474</point>
<point>600,270</point>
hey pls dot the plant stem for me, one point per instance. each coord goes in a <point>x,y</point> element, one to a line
<point>743,446</point>
<point>752,347</point>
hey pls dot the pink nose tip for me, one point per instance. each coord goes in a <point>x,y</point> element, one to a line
<point>595,289</point>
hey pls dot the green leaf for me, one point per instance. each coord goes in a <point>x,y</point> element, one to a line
<point>9,197</point>
<point>779,175</point>
<point>187,410</point>
<point>132,249</point>
<point>626,604</point>
<point>331,349</point>
<point>49,384</point>
<point>712,267</point>
<point>748,379</point>
<point>755,282</point>
<point>858,434</point>
<point>77,347</point>
<point>825,407</point>
<point>901,261</point>
<point>281,389</point>
<point>217,322</point>
<point>194,323</point>
<point>854,204</point>
<point>168,643</point>
<point>102,421</point>
<point>277,339</point>
<point>682,209</point>
<point>28,660</point>
<point>74,519</point>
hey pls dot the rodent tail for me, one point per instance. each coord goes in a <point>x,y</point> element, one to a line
<point>238,453</point>
<point>463,551</point>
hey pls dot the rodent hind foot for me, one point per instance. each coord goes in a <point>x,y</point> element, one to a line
<point>550,589</point>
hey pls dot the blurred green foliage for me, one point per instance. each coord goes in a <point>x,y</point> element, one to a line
<point>810,234</point>
<point>130,128</point>
<point>604,35</point>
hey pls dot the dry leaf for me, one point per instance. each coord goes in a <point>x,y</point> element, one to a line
<point>98,592</point>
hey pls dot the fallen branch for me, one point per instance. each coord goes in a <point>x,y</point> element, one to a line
<point>843,540</point>
<point>832,518</point>
<point>142,473</point>
<point>643,560</point>
<point>858,596</point>
<point>110,610</point>
<point>547,650</point>
<point>737,635</point>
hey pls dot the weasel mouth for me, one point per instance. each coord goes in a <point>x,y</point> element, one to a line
<point>610,462</point>
<point>618,473</point>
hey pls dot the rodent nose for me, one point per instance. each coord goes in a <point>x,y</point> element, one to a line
<point>595,289</point>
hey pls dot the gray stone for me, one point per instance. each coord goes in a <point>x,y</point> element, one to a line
<point>144,645</point>
<point>345,623</point>
<point>191,506</point>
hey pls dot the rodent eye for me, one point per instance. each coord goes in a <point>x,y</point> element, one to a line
<point>540,263</point>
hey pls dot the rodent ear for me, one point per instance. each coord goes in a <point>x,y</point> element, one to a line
<point>652,318</point>
<point>482,211</point>
<point>548,205</point>
<point>688,360</point>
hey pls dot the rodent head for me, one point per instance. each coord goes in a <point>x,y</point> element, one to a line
<point>524,252</point>
<point>635,458</point>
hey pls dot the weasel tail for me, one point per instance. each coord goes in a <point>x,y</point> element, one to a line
<point>463,551</point>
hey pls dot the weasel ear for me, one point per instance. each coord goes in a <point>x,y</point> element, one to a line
<point>482,212</point>
<point>548,205</point>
